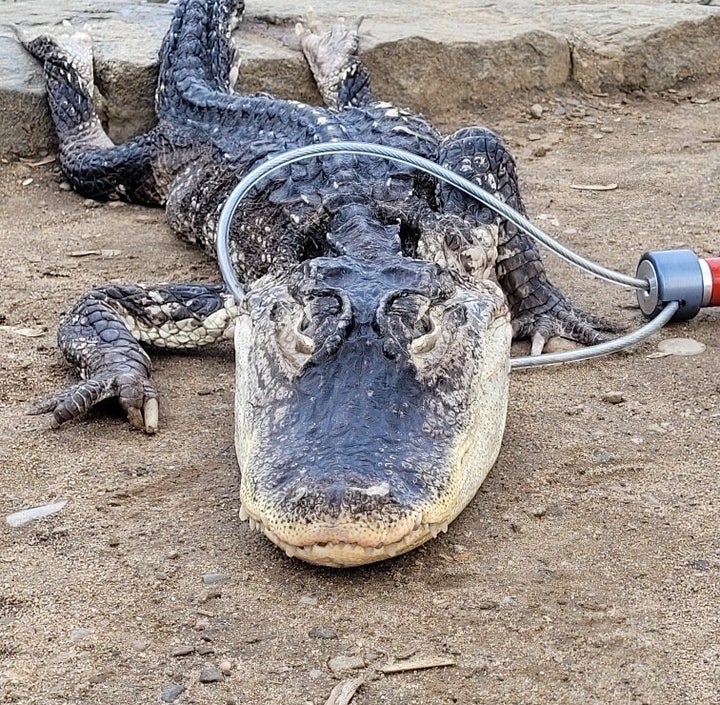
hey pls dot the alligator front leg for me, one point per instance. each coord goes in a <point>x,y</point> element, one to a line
<point>539,309</point>
<point>101,337</point>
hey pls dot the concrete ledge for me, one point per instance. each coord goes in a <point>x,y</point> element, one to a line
<point>429,57</point>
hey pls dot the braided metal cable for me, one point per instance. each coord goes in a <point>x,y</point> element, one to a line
<point>259,173</point>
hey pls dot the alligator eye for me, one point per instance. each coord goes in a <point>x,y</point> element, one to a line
<point>423,326</point>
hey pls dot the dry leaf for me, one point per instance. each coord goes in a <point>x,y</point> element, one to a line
<point>344,691</point>
<point>34,332</point>
<point>84,253</point>
<point>25,515</point>
<point>417,664</point>
<point>38,162</point>
<point>594,187</point>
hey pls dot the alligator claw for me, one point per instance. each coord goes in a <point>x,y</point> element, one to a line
<point>137,396</point>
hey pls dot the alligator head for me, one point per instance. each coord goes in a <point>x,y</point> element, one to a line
<point>370,404</point>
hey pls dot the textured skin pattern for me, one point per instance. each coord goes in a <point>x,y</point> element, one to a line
<point>372,346</point>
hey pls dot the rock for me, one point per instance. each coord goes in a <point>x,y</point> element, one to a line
<point>338,664</point>
<point>613,397</point>
<point>225,666</point>
<point>315,673</point>
<point>170,693</point>
<point>323,633</point>
<point>538,512</point>
<point>456,48</point>
<point>214,578</point>
<point>681,346</point>
<point>536,110</point>
<point>211,674</point>
<point>534,137</point>
<point>182,651</point>
<point>603,457</point>
<point>307,600</point>
<point>139,645</point>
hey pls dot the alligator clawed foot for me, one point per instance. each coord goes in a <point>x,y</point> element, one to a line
<point>331,53</point>
<point>137,396</point>
<point>566,321</point>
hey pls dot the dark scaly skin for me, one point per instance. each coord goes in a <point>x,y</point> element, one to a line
<point>370,318</point>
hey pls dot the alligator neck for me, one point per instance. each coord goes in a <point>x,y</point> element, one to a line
<point>356,231</point>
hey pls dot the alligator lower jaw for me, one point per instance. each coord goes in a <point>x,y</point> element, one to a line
<point>343,554</point>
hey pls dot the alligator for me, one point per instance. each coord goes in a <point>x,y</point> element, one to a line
<point>372,344</point>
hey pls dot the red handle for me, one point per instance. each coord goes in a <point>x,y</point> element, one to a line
<point>714,265</point>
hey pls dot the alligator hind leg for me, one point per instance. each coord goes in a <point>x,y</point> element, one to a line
<point>539,309</point>
<point>101,337</point>
<point>341,77</point>
<point>92,164</point>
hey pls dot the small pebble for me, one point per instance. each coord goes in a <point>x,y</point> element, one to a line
<point>90,203</point>
<point>225,666</point>
<point>214,578</point>
<point>79,634</point>
<point>323,633</point>
<point>613,397</point>
<point>205,649</point>
<point>308,600</point>
<point>337,664</point>
<point>113,541</point>
<point>700,564</point>
<point>211,674</point>
<point>28,181</point>
<point>540,151</point>
<point>488,605</point>
<point>202,623</point>
<point>182,651</point>
<point>534,137</point>
<point>603,457</point>
<point>539,512</point>
<point>170,693</point>
<point>65,186</point>
<point>139,645</point>
<point>315,673</point>
<point>536,110</point>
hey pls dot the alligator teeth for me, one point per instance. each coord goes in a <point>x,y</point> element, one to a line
<point>435,529</point>
<point>244,516</point>
<point>290,550</point>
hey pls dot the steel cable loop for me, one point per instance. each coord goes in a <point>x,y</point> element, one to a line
<point>256,175</point>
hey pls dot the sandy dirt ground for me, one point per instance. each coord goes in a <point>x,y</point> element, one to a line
<point>585,571</point>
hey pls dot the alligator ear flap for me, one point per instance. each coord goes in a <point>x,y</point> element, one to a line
<point>294,347</point>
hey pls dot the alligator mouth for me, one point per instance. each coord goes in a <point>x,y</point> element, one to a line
<point>346,554</point>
